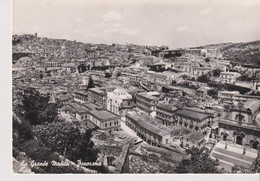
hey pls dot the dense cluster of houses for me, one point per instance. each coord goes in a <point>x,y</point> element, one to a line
<point>140,92</point>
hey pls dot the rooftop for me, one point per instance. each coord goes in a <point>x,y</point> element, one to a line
<point>96,90</point>
<point>103,115</point>
<point>167,107</point>
<point>149,95</point>
<point>195,137</point>
<point>139,119</point>
<point>194,115</point>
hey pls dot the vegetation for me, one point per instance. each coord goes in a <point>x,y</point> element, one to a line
<point>207,60</point>
<point>157,68</point>
<point>49,136</point>
<point>67,140</point>
<point>216,72</point>
<point>82,68</point>
<point>247,78</point>
<point>203,78</point>
<point>213,93</point>
<point>244,52</point>
<point>90,83</point>
<point>36,108</point>
<point>199,162</point>
<point>253,168</point>
<point>107,75</point>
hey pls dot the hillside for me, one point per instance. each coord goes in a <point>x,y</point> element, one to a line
<point>245,52</point>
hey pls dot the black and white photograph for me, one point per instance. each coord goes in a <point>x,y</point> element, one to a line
<point>135,87</point>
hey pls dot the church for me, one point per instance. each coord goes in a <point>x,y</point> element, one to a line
<point>242,126</point>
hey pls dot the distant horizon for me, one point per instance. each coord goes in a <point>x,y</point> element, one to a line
<point>132,43</point>
<point>176,23</point>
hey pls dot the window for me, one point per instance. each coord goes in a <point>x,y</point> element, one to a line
<point>106,125</point>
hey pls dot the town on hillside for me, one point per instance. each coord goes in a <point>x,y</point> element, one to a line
<point>97,108</point>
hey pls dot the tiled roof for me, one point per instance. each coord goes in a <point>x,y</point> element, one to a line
<point>253,105</point>
<point>194,137</point>
<point>139,119</point>
<point>167,107</point>
<point>103,115</point>
<point>197,116</point>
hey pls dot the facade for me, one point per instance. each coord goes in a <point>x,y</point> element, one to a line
<point>118,101</point>
<point>165,113</point>
<point>243,126</point>
<point>104,120</point>
<point>194,120</point>
<point>229,77</point>
<point>74,112</point>
<point>147,101</point>
<point>80,96</point>
<point>163,78</point>
<point>152,134</point>
<point>98,95</point>
<point>51,64</point>
<point>193,139</point>
<point>227,96</point>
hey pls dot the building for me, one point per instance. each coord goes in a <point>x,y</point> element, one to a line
<point>152,134</point>
<point>194,120</point>
<point>73,112</point>
<point>165,113</point>
<point>103,119</point>
<point>229,77</point>
<point>51,64</point>
<point>243,125</point>
<point>227,96</point>
<point>80,96</point>
<point>161,78</point>
<point>98,95</point>
<point>170,53</point>
<point>147,101</point>
<point>118,101</point>
<point>194,139</point>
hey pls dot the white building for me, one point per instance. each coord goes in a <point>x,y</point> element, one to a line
<point>118,101</point>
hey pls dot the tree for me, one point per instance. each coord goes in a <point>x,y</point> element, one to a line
<point>207,60</point>
<point>216,72</point>
<point>253,168</point>
<point>68,140</point>
<point>50,113</point>
<point>246,78</point>
<point>199,162</point>
<point>36,108</point>
<point>203,78</point>
<point>82,68</point>
<point>107,75</point>
<point>32,106</point>
<point>90,83</point>
<point>213,93</point>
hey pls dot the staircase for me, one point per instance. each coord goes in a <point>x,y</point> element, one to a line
<point>232,155</point>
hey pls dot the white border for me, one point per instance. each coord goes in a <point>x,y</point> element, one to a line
<point>6,139</point>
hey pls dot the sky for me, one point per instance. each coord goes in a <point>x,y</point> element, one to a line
<point>174,23</point>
